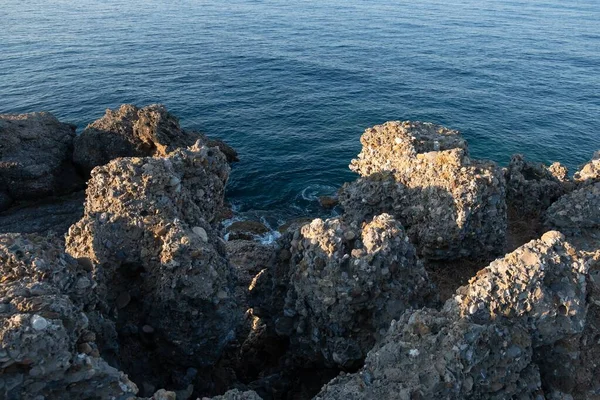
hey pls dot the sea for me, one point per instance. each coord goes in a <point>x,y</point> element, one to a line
<point>293,84</point>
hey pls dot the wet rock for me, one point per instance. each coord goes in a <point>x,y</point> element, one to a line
<point>35,157</point>
<point>451,206</point>
<point>576,211</point>
<point>246,230</point>
<point>52,214</point>
<point>533,187</point>
<point>294,224</point>
<point>345,289</point>
<point>147,230</point>
<point>134,132</point>
<point>590,172</point>
<point>328,201</point>
<point>42,319</point>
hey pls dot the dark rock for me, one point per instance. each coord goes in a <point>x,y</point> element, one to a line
<point>328,202</point>
<point>246,230</point>
<point>35,157</point>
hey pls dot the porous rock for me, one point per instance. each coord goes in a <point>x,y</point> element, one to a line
<point>35,157</point>
<point>485,342</point>
<point>46,350</point>
<point>246,230</point>
<point>147,231</point>
<point>533,187</point>
<point>576,211</point>
<point>135,132</point>
<point>236,395</point>
<point>450,205</point>
<point>346,283</point>
<point>590,172</point>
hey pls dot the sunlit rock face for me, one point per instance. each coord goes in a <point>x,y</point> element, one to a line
<point>147,231</point>
<point>346,282</point>
<point>450,205</point>
<point>47,349</point>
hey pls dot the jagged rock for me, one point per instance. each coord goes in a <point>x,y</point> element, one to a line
<point>328,201</point>
<point>52,214</point>
<point>450,205</point>
<point>147,232</point>
<point>249,258</point>
<point>431,355</point>
<point>483,343</point>
<point>236,395</point>
<point>533,187</point>
<point>346,284</point>
<point>46,350</point>
<point>230,153</point>
<point>35,157</point>
<point>576,211</point>
<point>135,132</point>
<point>246,230</point>
<point>542,284</point>
<point>590,172</point>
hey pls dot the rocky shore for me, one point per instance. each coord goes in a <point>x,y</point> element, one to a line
<point>443,277</point>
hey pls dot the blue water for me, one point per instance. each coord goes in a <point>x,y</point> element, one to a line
<point>292,84</point>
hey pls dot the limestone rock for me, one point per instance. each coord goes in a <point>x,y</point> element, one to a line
<point>590,172</point>
<point>576,211</point>
<point>35,157</point>
<point>45,348</point>
<point>450,205</point>
<point>346,283</point>
<point>135,132</point>
<point>140,232</point>
<point>533,187</point>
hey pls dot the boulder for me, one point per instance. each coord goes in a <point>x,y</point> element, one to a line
<point>590,172</point>
<point>147,233</point>
<point>35,157</point>
<point>485,342</point>
<point>576,211</point>
<point>533,187</point>
<point>346,283</point>
<point>135,132</point>
<point>450,205</point>
<point>46,349</point>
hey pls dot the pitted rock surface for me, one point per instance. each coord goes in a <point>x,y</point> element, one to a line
<point>576,211</point>
<point>346,283</point>
<point>35,157</point>
<point>147,231</point>
<point>433,355</point>
<point>46,348</point>
<point>236,395</point>
<point>533,187</point>
<point>421,173</point>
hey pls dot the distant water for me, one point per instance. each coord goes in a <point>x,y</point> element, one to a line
<point>292,84</point>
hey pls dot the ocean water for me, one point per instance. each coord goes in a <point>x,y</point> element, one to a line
<point>293,84</point>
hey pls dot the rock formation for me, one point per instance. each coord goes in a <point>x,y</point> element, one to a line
<point>136,132</point>
<point>589,172</point>
<point>533,187</point>
<point>481,345</point>
<point>147,232</point>
<point>450,205</point>
<point>576,211</point>
<point>35,157</point>
<point>46,347</point>
<point>346,283</point>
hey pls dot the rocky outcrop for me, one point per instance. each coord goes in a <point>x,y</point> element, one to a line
<point>346,283</point>
<point>236,395</point>
<point>450,205</point>
<point>147,232</point>
<point>246,230</point>
<point>136,132</point>
<point>533,187</point>
<point>483,343</point>
<point>35,157</point>
<point>46,347</point>
<point>576,211</point>
<point>590,172</point>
